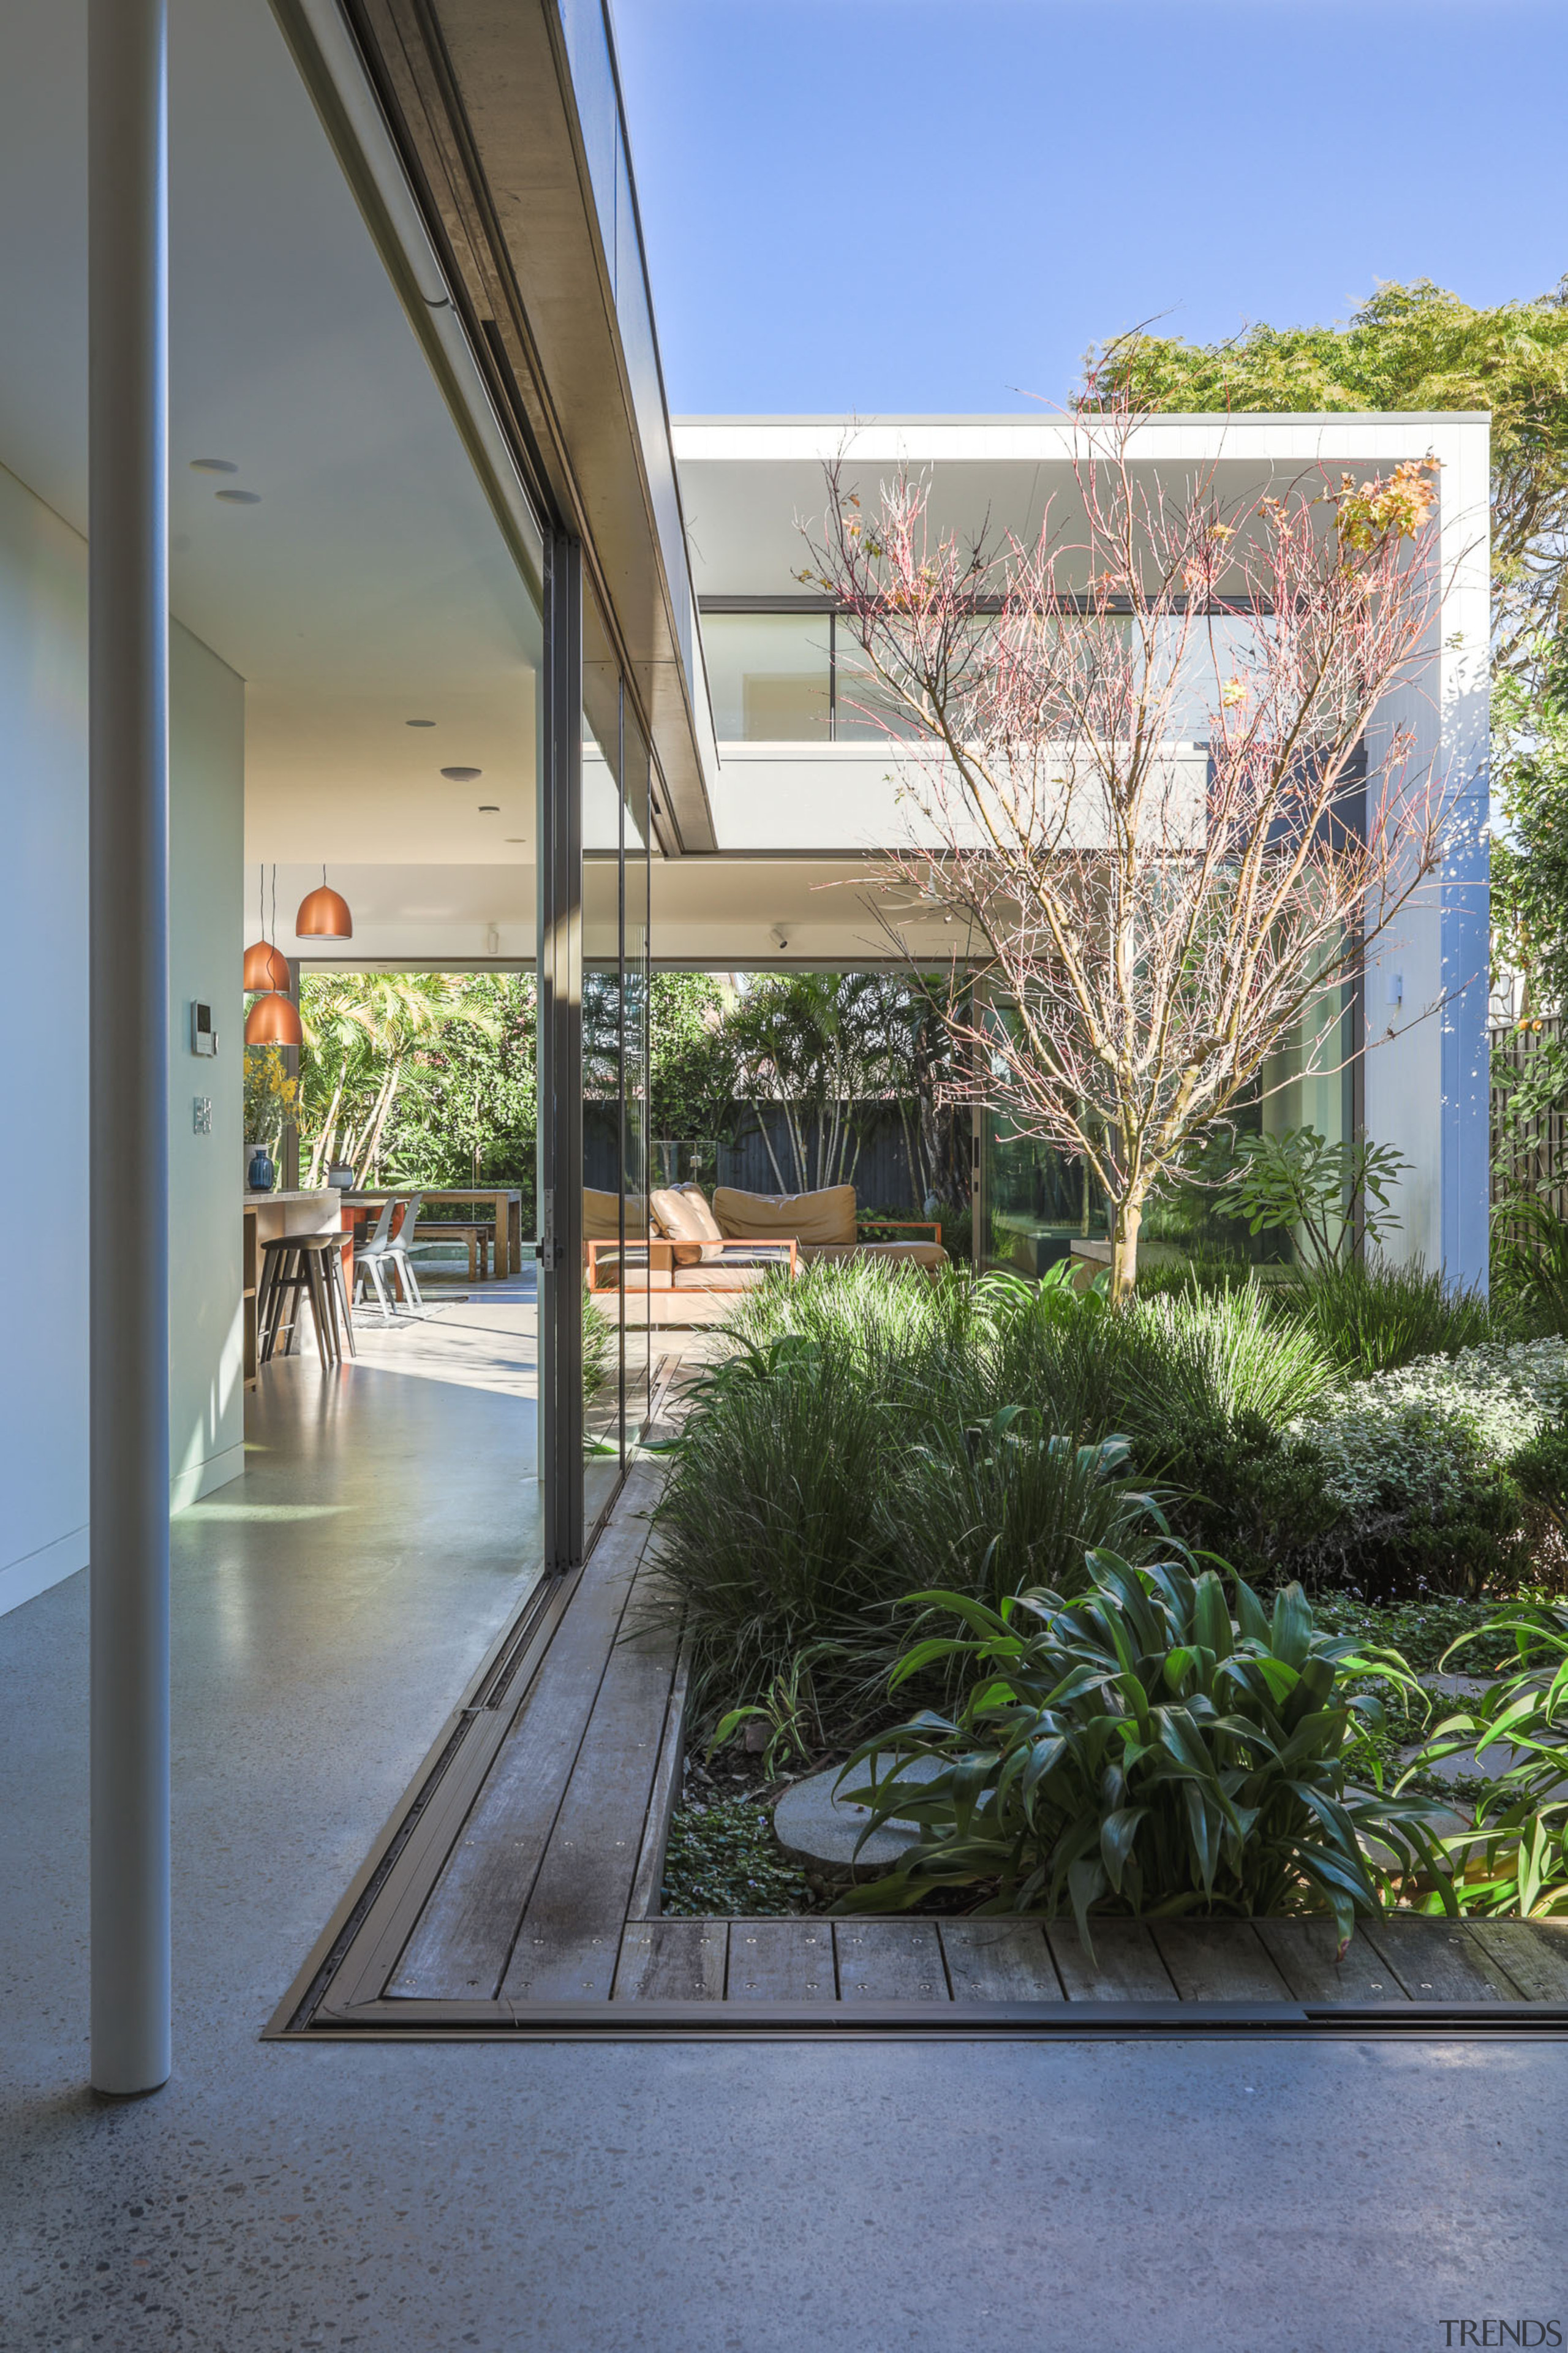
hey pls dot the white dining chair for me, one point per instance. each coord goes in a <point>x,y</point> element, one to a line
<point>372,1258</point>
<point>396,1256</point>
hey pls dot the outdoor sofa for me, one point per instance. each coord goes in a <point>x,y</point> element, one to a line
<point>731,1243</point>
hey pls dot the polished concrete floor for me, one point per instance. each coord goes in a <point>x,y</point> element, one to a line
<point>574,2200</point>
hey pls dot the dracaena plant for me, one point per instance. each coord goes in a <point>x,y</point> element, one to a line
<point>1142,1750</point>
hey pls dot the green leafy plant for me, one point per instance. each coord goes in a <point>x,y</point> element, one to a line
<point>1299,1183</point>
<point>1221,1355</point>
<point>722,1856</point>
<point>598,1346</point>
<point>1518,1861</point>
<point>1540,1471</point>
<point>1529,1260</point>
<point>788,1710</point>
<point>1244,1487</point>
<point>1375,1317</point>
<point>1142,1750</point>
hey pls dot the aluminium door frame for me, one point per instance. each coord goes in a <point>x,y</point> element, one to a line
<point>558,946</point>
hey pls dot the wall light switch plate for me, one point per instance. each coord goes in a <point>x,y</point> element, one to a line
<point>202,1114</point>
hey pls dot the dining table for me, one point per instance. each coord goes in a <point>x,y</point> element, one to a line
<point>504,1201</point>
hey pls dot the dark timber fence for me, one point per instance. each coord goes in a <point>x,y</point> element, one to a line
<point>881,1174</point>
<point>1529,1156</point>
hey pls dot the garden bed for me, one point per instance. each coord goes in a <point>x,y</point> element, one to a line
<point>878,1469</point>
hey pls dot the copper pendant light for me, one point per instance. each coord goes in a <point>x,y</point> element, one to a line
<point>274,1017</point>
<point>323,915</point>
<point>265,965</point>
<point>274,1020</point>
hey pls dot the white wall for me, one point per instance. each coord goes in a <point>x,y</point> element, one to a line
<point>206,848</point>
<point>43,1052</point>
<point>43,1045</point>
<point>1426,1085</point>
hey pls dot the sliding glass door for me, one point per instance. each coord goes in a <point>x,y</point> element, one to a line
<point>615,900</point>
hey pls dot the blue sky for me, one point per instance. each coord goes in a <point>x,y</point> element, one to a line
<point>935,205</point>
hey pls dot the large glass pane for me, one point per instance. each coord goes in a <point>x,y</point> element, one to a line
<point>602,1234</point>
<point>635,1148</point>
<point>863,712</point>
<point>1037,1201</point>
<point>1310,1084</point>
<point>769,676</point>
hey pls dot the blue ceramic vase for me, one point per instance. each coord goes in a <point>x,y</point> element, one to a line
<point>261,1175</point>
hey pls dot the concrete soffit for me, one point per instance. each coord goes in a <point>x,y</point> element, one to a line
<point>478,99</point>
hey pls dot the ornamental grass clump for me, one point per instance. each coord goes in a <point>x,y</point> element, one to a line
<point>1375,1317</point>
<point>1529,1262</point>
<point>768,1531</point>
<point>1005,1503</point>
<point>1143,1750</point>
<point>1216,1357</point>
<point>921,1342</point>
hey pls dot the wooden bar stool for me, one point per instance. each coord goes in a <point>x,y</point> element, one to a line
<point>307,1266</point>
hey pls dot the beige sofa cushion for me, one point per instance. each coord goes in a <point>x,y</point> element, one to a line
<point>684,1218</point>
<point>601,1216</point>
<point>824,1218</point>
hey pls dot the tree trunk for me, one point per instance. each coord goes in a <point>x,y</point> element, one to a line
<point>372,1140</point>
<point>1126,1218</point>
<point>322,1155</point>
<point>756,1113</point>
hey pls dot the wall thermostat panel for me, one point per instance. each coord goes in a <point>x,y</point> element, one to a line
<point>204,1037</point>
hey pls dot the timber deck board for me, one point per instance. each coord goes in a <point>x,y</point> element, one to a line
<point>1217,1960</point>
<point>890,1960</point>
<point>1438,1960</point>
<point>536,1890</point>
<point>1533,1953</point>
<point>1303,1951</point>
<point>1124,1965</point>
<point>465,1937</point>
<point>781,1960</point>
<point>567,1941</point>
<point>671,1961</point>
<point>999,1960</point>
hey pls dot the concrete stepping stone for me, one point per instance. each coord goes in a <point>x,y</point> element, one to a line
<point>816,1826</point>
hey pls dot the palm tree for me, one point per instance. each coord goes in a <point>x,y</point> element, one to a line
<point>821,1046</point>
<point>360,1030</point>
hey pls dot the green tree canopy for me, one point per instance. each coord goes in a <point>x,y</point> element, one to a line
<point>1410,347</point>
<point>1530,863</point>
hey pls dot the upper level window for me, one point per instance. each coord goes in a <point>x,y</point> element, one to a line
<point>770,676</point>
<point>801,676</point>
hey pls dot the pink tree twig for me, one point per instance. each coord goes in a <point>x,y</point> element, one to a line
<point>1148,925</point>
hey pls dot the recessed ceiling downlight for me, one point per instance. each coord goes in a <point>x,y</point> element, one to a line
<point>462,776</point>
<point>420,723</point>
<point>239,498</point>
<point>214,466</point>
<point>489,809</point>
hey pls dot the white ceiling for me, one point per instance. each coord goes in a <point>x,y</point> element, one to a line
<point>370,584</point>
<point>755,489</point>
<point>735,912</point>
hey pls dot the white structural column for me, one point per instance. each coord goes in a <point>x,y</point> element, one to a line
<point>129,864</point>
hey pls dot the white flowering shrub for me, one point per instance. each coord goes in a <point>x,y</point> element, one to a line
<point>1413,1434</point>
<point>1506,1393</point>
